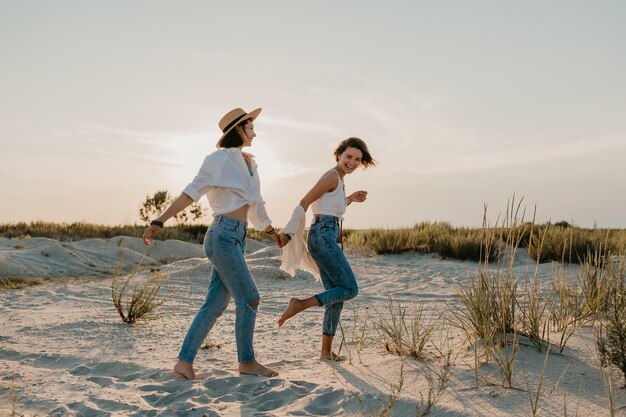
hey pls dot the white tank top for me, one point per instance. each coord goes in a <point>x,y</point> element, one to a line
<point>332,203</point>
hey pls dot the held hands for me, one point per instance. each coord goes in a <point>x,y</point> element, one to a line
<point>283,239</point>
<point>280,239</point>
<point>358,197</point>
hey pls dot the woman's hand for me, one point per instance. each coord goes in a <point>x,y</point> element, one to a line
<point>357,197</point>
<point>275,239</point>
<point>283,240</point>
<point>150,233</point>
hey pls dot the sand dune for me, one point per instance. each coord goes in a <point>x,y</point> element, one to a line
<point>49,258</point>
<point>67,352</point>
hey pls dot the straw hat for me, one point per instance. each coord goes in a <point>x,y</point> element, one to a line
<point>232,119</point>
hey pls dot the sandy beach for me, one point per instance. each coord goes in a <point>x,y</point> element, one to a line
<point>65,352</point>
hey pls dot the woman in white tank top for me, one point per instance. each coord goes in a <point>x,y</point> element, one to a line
<point>328,202</point>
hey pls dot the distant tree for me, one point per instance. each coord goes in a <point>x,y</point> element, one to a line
<point>562,223</point>
<point>155,205</point>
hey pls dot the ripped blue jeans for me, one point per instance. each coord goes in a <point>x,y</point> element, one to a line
<point>337,276</point>
<point>224,245</point>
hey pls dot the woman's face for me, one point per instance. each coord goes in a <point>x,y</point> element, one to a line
<point>350,160</point>
<point>247,133</point>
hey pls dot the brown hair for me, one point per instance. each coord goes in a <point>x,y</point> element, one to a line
<point>233,139</point>
<point>367,160</point>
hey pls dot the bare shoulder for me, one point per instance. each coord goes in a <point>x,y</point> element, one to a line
<point>329,180</point>
<point>328,174</point>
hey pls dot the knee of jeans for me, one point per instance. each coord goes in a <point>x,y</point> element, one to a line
<point>353,292</point>
<point>222,309</point>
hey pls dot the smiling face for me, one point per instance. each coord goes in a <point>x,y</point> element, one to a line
<point>349,160</point>
<point>247,133</point>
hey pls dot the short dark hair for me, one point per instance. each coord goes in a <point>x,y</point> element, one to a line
<point>367,160</point>
<point>233,139</point>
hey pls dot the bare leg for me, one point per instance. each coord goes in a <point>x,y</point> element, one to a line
<point>295,306</point>
<point>327,353</point>
<point>255,368</point>
<point>184,369</point>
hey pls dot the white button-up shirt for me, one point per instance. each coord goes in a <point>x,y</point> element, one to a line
<point>228,184</point>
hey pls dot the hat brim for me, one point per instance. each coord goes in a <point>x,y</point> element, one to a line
<point>250,116</point>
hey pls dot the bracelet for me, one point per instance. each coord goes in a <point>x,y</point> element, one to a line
<point>156,223</point>
<point>271,232</point>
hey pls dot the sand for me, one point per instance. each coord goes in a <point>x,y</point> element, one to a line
<point>64,350</point>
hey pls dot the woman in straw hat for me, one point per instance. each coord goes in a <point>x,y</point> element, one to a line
<point>322,255</point>
<point>229,179</point>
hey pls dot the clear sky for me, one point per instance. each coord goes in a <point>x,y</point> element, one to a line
<point>461,102</point>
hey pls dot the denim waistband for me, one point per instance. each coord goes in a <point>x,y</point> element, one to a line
<point>322,217</point>
<point>229,220</point>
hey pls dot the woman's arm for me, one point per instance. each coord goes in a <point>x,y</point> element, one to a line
<point>328,182</point>
<point>178,205</point>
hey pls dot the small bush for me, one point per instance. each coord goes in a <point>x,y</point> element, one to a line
<point>134,299</point>
<point>405,335</point>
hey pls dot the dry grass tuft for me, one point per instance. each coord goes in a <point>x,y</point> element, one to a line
<point>13,398</point>
<point>354,336</point>
<point>18,283</point>
<point>611,336</point>
<point>405,334</point>
<point>567,309</point>
<point>136,298</point>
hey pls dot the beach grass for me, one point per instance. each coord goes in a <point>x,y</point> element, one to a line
<point>80,230</point>
<point>548,242</point>
<point>15,283</point>
<point>405,332</point>
<point>611,331</point>
<point>136,298</point>
<point>544,242</point>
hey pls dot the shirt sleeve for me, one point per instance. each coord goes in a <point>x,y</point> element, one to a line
<point>258,216</point>
<point>256,212</point>
<point>201,183</point>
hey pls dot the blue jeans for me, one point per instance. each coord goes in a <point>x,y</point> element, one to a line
<point>337,276</point>
<point>224,245</point>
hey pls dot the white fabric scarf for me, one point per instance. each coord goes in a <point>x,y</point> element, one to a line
<point>295,253</point>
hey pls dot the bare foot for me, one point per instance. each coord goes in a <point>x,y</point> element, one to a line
<point>332,357</point>
<point>292,309</point>
<point>185,369</point>
<point>255,368</point>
